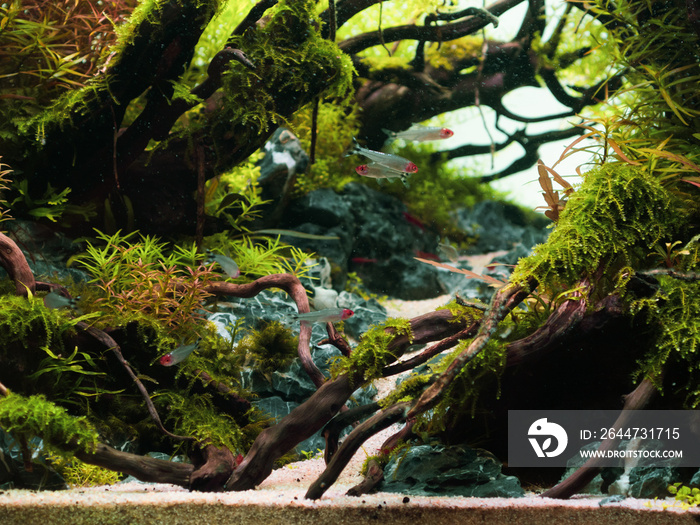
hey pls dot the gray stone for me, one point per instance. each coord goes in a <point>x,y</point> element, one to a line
<point>14,475</point>
<point>375,240</point>
<point>284,157</point>
<point>46,251</point>
<point>652,482</point>
<point>500,226</point>
<point>437,470</point>
<point>645,479</point>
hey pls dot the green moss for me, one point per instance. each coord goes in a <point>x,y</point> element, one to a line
<point>33,338</point>
<point>479,375</point>
<point>371,355</point>
<point>36,416</point>
<point>611,222</point>
<point>152,12</point>
<point>271,347</point>
<point>674,310</point>
<point>291,60</point>
<point>196,415</point>
<point>410,388</point>
<point>337,124</point>
<point>79,474</point>
<point>443,54</point>
<point>462,314</point>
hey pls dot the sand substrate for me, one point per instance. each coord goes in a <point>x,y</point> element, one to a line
<point>280,500</point>
<point>165,504</point>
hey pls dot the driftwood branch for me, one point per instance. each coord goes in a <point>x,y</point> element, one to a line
<point>503,301</point>
<point>566,322</point>
<point>143,468</point>
<point>430,352</point>
<point>112,345</point>
<point>428,33</point>
<point>16,266</point>
<point>212,467</point>
<point>636,400</point>
<point>373,477</point>
<point>350,445</point>
<point>331,432</point>
<point>336,339</point>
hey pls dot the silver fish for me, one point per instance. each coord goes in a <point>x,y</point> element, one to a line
<point>377,171</point>
<point>329,315</point>
<point>178,355</point>
<point>447,251</point>
<point>385,159</point>
<point>227,264</point>
<point>420,134</point>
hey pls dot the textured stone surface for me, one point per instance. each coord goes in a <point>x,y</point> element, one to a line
<point>449,471</point>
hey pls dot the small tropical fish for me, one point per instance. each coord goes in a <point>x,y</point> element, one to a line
<point>426,255</point>
<point>227,264</point>
<point>420,134</point>
<point>413,220</point>
<point>363,260</point>
<point>447,251</point>
<point>394,162</point>
<point>178,355</point>
<point>377,171</point>
<point>329,315</point>
<point>55,300</point>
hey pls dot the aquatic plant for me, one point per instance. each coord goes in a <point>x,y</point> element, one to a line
<point>79,474</point>
<point>144,279</point>
<point>194,98</point>
<point>4,180</point>
<point>687,496</point>
<point>36,416</point>
<point>373,353</point>
<point>269,347</point>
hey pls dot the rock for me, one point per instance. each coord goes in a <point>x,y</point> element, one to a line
<point>573,464</point>
<point>437,470</point>
<point>284,157</point>
<point>46,251</point>
<point>641,481</point>
<point>695,480</point>
<point>652,482</point>
<point>367,313</point>
<point>501,226</point>
<point>610,500</point>
<point>403,277</point>
<point>375,240</point>
<point>13,474</point>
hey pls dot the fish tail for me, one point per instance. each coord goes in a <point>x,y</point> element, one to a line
<point>354,149</point>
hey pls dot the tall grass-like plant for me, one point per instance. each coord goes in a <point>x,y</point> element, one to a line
<point>143,278</point>
<point>4,181</point>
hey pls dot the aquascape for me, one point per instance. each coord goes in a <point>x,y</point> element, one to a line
<point>144,142</point>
